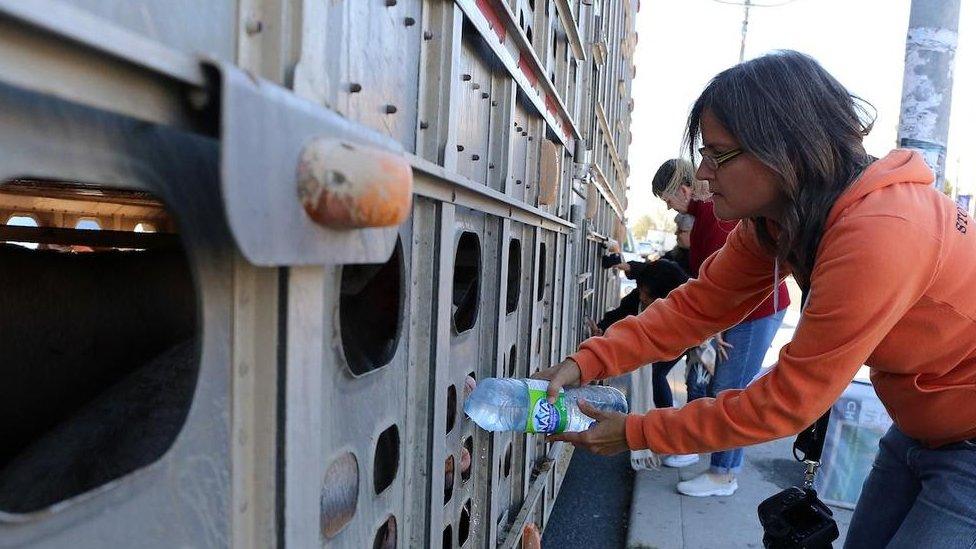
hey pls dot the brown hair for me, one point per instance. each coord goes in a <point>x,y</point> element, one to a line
<point>798,120</point>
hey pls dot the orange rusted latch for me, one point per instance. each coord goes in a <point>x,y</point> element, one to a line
<point>531,538</point>
<point>350,186</point>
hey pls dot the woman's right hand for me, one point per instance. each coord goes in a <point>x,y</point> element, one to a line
<point>564,374</point>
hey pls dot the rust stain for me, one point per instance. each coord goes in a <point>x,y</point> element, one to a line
<point>346,186</point>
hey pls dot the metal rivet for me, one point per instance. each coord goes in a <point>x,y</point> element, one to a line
<point>530,138</point>
<point>491,166</point>
<point>494,103</point>
<point>518,181</point>
<point>355,88</point>
<point>476,86</point>
<point>428,35</point>
<point>390,109</point>
<point>460,148</point>
<point>391,3</point>
<point>465,77</point>
<point>475,157</point>
<point>524,133</point>
<point>253,26</point>
<point>484,95</point>
<point>424,125</point>
<point>409,22</point>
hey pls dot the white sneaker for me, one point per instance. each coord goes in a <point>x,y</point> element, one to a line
<point>706,485</point>
<point>680,460</point>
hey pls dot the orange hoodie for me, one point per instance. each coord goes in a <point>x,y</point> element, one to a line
<point>893,287</point>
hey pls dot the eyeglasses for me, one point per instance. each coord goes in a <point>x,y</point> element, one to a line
<point>714,161</point>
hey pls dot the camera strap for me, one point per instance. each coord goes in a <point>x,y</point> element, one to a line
<point>809,444</point>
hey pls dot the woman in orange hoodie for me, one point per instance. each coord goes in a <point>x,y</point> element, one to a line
<point>889,263</point>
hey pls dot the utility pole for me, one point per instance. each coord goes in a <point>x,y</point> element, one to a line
<point>745,30</point>
<point>926,97</point>
<point>746,4</point>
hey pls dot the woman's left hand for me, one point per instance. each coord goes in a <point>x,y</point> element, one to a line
<point>605,437</point>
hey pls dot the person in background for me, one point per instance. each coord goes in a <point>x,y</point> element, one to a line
<point>741,349</point>
<point>655,280</point>
<point>680,253</point>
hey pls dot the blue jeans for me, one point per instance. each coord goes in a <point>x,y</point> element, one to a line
<point>750,340</point>
<point>917,497</point>
<point>659,383</point>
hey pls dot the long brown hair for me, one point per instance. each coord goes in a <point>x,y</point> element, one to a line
<point>798,120</point>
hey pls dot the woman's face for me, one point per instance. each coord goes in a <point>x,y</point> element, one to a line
<point>683,238</point>
<point>678,201</point>
<point>741,187</point>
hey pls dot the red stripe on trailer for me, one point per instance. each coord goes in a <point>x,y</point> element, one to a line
<point>494,20</point>
<point>525,63</point>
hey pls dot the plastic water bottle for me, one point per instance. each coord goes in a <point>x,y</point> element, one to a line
<point>521,405</point>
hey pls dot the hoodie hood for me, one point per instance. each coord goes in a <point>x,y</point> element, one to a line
<point>899,166</point>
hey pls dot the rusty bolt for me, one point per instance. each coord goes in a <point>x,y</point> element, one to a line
<point>355,88</point>
<point>424,125</point>
<point>460,148</point>
<point>466,77</point>
<point>475,157</point>
<point>409,22</point>
<point>428,35</point>
<point>253,26</point>
<point>390,109</point>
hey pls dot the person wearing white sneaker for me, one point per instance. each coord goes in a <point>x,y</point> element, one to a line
<point>709,484</point>
<point>678,461</point>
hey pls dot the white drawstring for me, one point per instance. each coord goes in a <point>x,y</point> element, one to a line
<point>776,286</point>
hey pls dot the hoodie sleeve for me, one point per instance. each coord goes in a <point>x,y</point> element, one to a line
<point>732,283</point>
<point>871,270</point>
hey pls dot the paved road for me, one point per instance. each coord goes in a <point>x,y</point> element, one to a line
<point>593,506</point>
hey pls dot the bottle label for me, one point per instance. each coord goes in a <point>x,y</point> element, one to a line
<point>545,417</point>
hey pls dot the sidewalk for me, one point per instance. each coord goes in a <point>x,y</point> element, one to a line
<point>663,519</point>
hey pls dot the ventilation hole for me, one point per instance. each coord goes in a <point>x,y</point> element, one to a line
<point>512,361</point>
<point>448,478</point>
<point>467,281</point>
<point>88,224</point>
<point>386,461</point>
<point>541,285</point>
<point>464,523</point>
<point>507,461</point>
<point>451,407</point>
<point>340,491</point>
<point>100,385</point>
<point>514,275</point>
<point>371,312</point>
<point>467,453</point>
<point>23,221</point>
<point>386,536</point>
<point>448,538</point>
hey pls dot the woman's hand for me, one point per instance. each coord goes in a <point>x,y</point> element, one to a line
<point>564,374</point>
<point>605,437</point>
<point>595,330</point>
<point>722,348</point>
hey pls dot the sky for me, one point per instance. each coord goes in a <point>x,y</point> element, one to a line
<point>683,43</point>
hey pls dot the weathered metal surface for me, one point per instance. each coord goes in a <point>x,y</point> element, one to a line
<point>264,129</point>
<point>188,489</point>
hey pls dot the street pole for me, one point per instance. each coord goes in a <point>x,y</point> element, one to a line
<point>926,97</point>
<point>745,29</point>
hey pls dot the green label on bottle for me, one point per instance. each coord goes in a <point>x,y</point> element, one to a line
<point>543,416</point>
